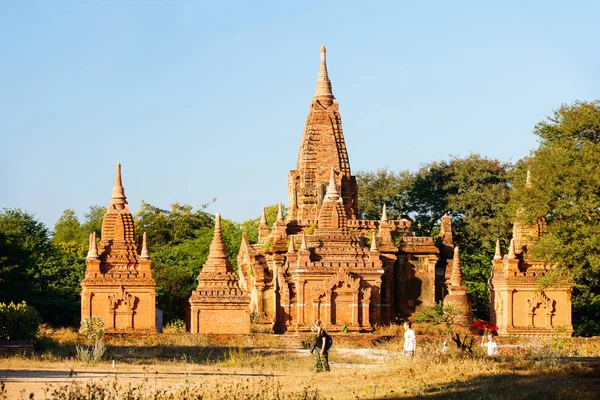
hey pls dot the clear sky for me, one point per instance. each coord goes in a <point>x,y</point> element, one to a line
<point>208,99</point>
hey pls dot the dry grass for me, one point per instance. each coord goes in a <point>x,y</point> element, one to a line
<point>252,367</point>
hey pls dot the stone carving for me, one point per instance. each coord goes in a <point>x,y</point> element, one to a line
<point>535,305</point>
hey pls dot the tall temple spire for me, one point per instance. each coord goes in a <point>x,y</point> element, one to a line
<point>118,194</point>
<point>384,216</point>
<point>144,253</point>
<point>456,278</point>
<point>332,190</point>
<point>279,213</point>
<point>217,261</point>
<point>323,92</point>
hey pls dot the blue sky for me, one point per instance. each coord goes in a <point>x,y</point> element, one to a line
<point>208,99</point>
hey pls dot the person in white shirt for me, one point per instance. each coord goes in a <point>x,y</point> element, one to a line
<point>410,340</point>
<point>492,346</point>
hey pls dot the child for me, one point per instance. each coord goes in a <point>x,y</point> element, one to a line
<point>410,340</point>
<point>492,346</point>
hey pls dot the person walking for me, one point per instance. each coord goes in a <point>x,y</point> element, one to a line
<point>320,348</point>
<point>410,340</point>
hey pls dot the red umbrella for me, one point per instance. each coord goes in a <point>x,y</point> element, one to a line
<point>485,325</point>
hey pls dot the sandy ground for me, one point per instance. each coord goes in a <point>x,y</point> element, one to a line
<point>22,379</point>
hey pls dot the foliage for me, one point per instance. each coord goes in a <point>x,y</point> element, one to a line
<point>43,272</point>
<point>175,326</point>
<point>18,322</point>
<point>383,187</point>
<point>92,329</point>
<point>439,314</point>
<point>473,190</point>
<point>565,177</point>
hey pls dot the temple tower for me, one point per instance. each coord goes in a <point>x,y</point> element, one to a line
<point>218,305</point>
<point>118,284</point>
<point>321,149</point>
<point>519,305</point>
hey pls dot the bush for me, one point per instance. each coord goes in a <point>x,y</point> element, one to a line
<point>92,328</point>
<point>18,322</point>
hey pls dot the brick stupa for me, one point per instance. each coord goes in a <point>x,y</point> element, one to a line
<point>218,305</point>
<point>457,293</point>
<point>322,261</point>
<point>519,305</point>
<point>118,284</point>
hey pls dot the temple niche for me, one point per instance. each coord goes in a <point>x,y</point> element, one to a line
<point>518,304</point>
<point>218,305</point>
<point>118,285</point>
<point>321,261</point>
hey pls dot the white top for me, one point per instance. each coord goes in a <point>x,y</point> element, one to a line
<point>492,348</point>
<point>410,340</point>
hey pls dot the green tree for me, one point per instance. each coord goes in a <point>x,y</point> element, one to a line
<point>68,229</point>
<point>565,182</point>
<point>474,191</point>
<point>24,245</point>
<point>93,221</point>
<point>383,187</point>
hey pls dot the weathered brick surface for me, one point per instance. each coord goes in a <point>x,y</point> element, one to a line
<point>118,284</point>
<point>518,306</point>
<point>323,261</point>
<point>218,305</point>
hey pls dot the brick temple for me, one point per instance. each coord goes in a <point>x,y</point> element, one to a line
<point>118,284</point>
<point>518,304</point>
<point>322,261</point>
<point>218,305</point>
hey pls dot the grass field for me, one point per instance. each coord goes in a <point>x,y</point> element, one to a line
<point>199,367</point>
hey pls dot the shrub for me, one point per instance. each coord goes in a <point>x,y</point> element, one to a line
<point>175,326</point>
<point>92,328</point>
<point>18,322</point>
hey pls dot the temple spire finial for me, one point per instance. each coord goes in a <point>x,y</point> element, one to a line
<point>373,243</point>
<point>323,92</point>
<point>303,245</point>
<point>528,179</point>
<point>118,197</point>
<point>279,213</point>
<point>511,250</point>
<point>456,278</point>
<point>292,245</point>
<point>93,246</point>
<point>144,253</point>
<point>498,255</point>
<point>384,216</point>
<point>263,217</point>
<point>332,190</point>
<point>217,261</point>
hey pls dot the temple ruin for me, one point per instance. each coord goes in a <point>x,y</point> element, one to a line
<point>322,261</point>
<point>118,285</point>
